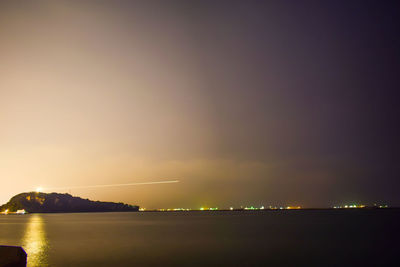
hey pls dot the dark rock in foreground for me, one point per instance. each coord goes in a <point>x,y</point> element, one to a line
<point>54,202</point>
<point>12,257</point>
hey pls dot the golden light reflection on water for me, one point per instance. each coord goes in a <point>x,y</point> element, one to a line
<point>35,242</point>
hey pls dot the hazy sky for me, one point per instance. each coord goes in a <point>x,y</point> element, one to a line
<point>244,102</point>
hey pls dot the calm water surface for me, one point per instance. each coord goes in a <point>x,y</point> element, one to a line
<point>264,238</point>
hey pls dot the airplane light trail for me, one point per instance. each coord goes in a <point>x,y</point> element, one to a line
<point>41,189</point>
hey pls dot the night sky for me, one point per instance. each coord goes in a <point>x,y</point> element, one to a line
<point>244,102</point>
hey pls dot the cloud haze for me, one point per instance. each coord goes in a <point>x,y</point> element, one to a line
<point>243,102</point>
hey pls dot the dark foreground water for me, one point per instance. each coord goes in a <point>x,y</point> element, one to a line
<point>264,238</point>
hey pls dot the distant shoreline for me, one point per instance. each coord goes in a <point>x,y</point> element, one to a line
<point>215,211</point>
<point>274,210</point>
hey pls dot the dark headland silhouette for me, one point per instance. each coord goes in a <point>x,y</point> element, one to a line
<point>35,202</point>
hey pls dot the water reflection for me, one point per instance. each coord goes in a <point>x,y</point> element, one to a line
<point>35,242</point>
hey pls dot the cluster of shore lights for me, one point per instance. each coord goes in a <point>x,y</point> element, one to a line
<point>174,209</point>
<point>258,208</point>
<point>349,207</point>
<point>10,212</point>
<point>230,208</point>
<point>354,206</point>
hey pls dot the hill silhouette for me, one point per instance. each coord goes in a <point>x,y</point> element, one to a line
<point>54,202</point>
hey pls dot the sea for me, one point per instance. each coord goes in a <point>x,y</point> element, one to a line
<point>208,238</point>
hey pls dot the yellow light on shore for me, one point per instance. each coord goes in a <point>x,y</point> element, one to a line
<point>20,211</point>
<point>293,207</point>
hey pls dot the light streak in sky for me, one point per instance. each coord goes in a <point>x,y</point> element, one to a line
<point>105,185</point>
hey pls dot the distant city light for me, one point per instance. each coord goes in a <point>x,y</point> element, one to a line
<point>253,208</point>
<point>293,207</point>
<point>355,206</point>
<point>39,189</point>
